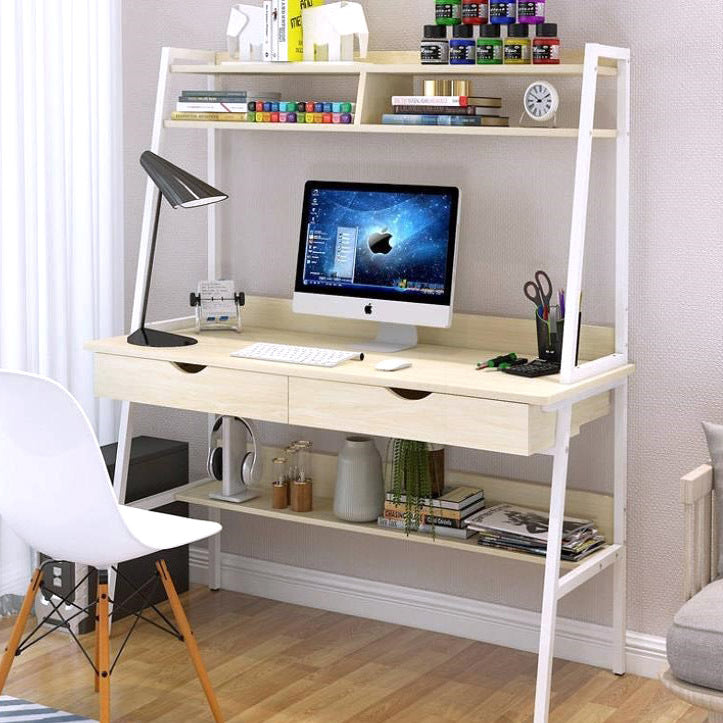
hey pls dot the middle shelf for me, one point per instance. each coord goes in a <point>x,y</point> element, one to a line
<point>516,132</point>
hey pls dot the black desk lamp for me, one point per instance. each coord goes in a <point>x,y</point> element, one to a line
<point>179,189</point>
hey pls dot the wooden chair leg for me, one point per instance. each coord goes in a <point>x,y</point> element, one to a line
<point>189,639</point>
<point>96,657</point>
<point>103,634</point>
<point>19,627</point>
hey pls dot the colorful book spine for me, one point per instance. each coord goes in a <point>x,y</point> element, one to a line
<point>437,100</point>
<point>410,119</point>
<point>400,510</point>
<point>449,110</point>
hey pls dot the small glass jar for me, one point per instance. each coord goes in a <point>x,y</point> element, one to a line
<point>517,45</point>
<point>461,46</point>
<point>304,461</point>
<point>280,486</point>
<point>447,12</point>
<point>489,45</point>
<point>546,45</point>
<point>502,12</point>
<point>531,13</point>
<point>292,463</point>
<point>434,48</point>
<point>475,12</point>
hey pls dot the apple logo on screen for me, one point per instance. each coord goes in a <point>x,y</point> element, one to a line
<point>379,242</point>
<point>368,309</point>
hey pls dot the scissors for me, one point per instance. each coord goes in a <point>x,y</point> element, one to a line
<point>539,291</point>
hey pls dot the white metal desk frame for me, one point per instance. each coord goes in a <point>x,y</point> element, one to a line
<point>554,587</point>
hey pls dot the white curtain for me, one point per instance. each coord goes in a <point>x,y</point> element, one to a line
<point>61,223</point>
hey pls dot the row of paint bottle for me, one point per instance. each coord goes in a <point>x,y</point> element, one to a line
<point>490,48</point>
<point>496,12</point>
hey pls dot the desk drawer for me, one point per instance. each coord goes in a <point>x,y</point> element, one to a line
<point>460,421</point>
<point>212,389</point>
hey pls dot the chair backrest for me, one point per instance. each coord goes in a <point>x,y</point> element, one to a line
<point>55,492</point>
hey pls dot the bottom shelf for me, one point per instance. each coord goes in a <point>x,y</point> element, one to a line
<point>323,516</point>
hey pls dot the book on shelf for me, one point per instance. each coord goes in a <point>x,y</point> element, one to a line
<point>225,116</point>
<point>450,532</point>
<point>452,498</point>
<point>233,95</point>
<point>521,529</point>
<point>446,110</point>
<point>266,47</point>
<point>447,100</point>
<point>225,106</point>
<point>393,508</point>
<point>274,30</point>
<point>443,119</point>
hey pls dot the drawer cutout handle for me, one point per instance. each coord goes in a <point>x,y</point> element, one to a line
<point>412,394</point>
<point>189,368</point>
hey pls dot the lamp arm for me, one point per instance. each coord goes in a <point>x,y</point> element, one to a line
<point>151,256</point>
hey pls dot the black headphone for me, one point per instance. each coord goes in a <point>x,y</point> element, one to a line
<point>250,471</point>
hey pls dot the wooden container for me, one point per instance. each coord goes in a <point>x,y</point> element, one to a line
<point>301,496</point>
<point>280,495</point>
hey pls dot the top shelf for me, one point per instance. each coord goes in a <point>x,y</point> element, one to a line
<point>390,63</point>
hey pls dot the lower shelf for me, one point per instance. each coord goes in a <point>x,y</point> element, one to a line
<point>323,516</point>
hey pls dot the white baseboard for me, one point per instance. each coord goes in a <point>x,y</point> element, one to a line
<point>462,617</point>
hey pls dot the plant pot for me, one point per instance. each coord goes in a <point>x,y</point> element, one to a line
<point>359,493</point>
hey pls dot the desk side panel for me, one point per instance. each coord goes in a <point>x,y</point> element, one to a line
<point>211,389</point>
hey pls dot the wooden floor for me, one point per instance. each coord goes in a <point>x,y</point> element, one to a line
<point>272,661</point>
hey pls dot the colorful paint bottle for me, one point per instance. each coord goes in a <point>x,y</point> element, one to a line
<point>531,13</point>
<point>447,12</point>
<point>434,48</point>
<point>475,12</point>
<point>502,12</point>
<point>517,45</point>
<point>489,45</point>
<point>546,45</point>
<point>461,46</point>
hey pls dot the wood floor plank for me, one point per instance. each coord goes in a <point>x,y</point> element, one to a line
<point>273,661</point>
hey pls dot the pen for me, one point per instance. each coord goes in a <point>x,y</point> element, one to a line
<point>494,363</point>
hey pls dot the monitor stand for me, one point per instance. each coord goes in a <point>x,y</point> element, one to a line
<point>390,338</point>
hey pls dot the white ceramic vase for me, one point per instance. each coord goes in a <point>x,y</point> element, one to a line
<point>359,494</point>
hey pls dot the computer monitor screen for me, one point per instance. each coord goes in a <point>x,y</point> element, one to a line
<point>377,242</point>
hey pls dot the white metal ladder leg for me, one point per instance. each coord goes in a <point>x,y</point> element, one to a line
<point>552,564</point>
<point>619,532</point>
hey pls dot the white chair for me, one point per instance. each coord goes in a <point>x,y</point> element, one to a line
<point>56,495</point>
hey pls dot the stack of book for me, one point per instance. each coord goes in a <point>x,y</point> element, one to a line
<point>237,106</point>
<point>447,514</point>
<point>520,529</point>
<point>283,32</point>
<point>445,110</point>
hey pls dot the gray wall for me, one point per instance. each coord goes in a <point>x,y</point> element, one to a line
<point>517,198</point>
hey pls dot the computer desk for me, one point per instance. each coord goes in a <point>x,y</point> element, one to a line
<point>441,398</point>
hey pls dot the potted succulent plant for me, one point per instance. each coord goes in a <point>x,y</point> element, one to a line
<point>416,474</point>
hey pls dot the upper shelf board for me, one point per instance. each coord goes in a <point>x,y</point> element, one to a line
<point>390,63</point>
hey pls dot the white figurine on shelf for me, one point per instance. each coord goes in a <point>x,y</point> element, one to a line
<point>245,33</point>
<point>329,31</point>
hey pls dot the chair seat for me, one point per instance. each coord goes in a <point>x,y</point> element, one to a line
<point>695,640</point>
<point>159,531</point>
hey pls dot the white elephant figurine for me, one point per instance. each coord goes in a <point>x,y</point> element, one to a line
<point>334,26</point>
<point>245,33</point>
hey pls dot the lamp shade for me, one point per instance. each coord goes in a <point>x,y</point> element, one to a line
<point>177,186</point>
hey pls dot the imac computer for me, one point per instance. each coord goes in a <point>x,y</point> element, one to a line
<point>381,252</point>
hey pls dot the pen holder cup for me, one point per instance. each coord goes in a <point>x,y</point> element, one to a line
<point>550,336</point>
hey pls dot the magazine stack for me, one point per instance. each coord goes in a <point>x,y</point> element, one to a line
<point>520,529</point>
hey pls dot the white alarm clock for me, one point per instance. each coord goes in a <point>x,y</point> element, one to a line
<point>541,102</point>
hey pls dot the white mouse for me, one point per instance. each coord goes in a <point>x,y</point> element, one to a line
<point>392,365</point>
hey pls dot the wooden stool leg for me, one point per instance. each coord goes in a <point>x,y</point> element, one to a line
<point>189,639</point>
<point>103,646</point>
<point>96,658</point>
<point>19,627</point>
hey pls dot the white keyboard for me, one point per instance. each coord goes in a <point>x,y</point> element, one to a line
<point>311,356</point>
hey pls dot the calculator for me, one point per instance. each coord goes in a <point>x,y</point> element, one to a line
<point>536,368</point>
